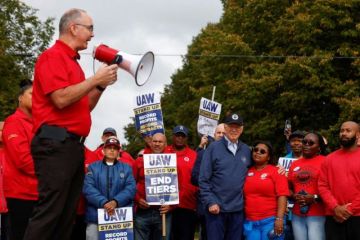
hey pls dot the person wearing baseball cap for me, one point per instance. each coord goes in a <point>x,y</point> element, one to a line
<point>123,155</point>
<point>185,213</point>
<point>222,175</point>
<point>97,190</point>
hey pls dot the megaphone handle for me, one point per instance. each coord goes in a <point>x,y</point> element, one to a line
<point>117,60</point>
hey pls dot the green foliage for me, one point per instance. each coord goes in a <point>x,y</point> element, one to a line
<point>270,61</point>
<point>22,38</point>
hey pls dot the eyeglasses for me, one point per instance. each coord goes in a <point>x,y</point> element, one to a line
<point>88,27</point>
<point>259,150</point>
<point>308,142</point>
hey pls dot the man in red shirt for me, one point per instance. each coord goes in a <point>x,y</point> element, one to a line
<point>184,216</point>
<point>62,101</point>
<point>147,220</point>
<point>339,186</point>
<point>20,183</point>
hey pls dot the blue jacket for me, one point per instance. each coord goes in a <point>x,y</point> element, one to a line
<point>222,176</point>
<point>104,183</point>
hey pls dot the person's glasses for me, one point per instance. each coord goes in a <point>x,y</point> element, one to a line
<point>308,142</point>
<point>88,27</point>
<point>259,150</point>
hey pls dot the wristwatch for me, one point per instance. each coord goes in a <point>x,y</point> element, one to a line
<point>316,198</point>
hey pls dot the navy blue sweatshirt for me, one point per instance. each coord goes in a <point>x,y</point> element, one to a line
<point>222,176</point>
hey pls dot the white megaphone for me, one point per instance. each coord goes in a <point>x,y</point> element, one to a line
<point>140,67</point>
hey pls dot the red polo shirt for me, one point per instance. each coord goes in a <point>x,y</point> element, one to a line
<point>57,68</point>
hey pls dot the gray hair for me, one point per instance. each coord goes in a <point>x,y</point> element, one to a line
<point>68,17</point>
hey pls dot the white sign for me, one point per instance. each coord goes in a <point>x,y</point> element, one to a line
<point>161,180</point>
<point>286,162</point>
<point>116,226</point>
<point>209,115</point>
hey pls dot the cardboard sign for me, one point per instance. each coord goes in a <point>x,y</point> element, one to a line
<point>118,226</point>
<point>209,115</point>
<point>161,180</point>
<point>148,114</point>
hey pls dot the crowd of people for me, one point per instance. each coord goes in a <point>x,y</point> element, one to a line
<point>52,185</point>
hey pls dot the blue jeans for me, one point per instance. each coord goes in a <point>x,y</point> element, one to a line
<point>259,230</point>
<point>148,224</point>
<point>308,228</point>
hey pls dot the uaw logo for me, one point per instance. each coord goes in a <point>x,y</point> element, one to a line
<point>181,127</point>
<point>263,176</point>
<point>235,117</point>
<point>186,159</point>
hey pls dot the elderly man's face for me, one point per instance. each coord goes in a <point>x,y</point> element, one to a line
<point>233,131</point>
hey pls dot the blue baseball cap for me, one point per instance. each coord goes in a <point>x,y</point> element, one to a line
<point>181,129</point>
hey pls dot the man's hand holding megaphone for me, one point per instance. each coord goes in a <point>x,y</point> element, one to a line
<point>105,75</point>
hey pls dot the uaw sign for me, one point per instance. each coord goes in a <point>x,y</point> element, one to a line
<point>286,162</point>
<point>161,180</point>
<point>116,227</point>
<point>209,115</point>
<point>148,114</point>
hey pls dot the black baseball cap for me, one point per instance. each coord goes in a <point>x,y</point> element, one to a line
<point>234,118</point>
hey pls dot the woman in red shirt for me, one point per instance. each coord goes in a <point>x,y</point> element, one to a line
<point>309,212</point>
<point>265,192</point>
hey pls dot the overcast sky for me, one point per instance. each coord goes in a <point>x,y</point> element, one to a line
<point>135,26</point>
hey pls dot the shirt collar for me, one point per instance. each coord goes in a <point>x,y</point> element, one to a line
<point>230,142</point>
<point>68,50</point>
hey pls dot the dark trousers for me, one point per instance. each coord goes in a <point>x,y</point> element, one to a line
<point>184,222</point>
<point>19,214</point>
<point>224,226</point>
<point>348,230</point>
<point>5,228</point>
<point>79,230</point>
<point>59,166</point>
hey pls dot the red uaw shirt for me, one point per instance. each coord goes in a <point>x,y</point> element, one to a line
<point>261,190</point>
<point>339,181</point>
<point>140,180</point>
<point>3,206</point>
<point>185,160</point>
<point>124,157</point>
<point>57,68</point>
<point>304,175</point>
<point>19,175</point>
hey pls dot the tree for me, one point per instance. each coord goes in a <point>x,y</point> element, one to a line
<point>22,38</point>
<point>273,60</point>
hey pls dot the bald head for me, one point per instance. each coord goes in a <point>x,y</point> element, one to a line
<point>158,143</point>
<point>349,134</point>
<point>68,17</point>
<point>219,131</point>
